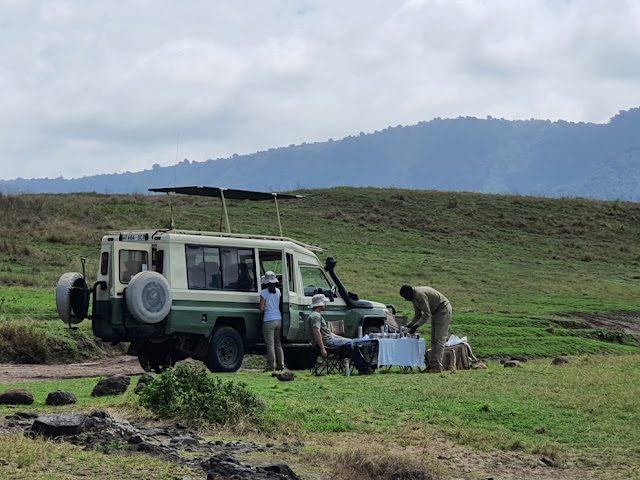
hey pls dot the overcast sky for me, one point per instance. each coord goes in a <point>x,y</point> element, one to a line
<point>92,87</point>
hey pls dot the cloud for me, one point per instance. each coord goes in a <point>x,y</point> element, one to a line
<point>99,87</point>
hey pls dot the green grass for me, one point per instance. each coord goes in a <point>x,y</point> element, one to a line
<point>583,414</point>
<point>507,263</point>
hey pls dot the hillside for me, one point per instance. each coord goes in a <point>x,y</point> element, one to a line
<point>527,157</point>
<point>510,265</point>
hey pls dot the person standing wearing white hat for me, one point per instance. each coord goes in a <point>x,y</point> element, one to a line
<point>272,322</point>
<point>322,336</point>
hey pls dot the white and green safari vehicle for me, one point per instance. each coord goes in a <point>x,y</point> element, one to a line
<point>175,294</point>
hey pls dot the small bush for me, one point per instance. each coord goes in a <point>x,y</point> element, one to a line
<point>190,394</point>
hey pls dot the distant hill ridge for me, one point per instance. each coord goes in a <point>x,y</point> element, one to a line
<point>527,157</point>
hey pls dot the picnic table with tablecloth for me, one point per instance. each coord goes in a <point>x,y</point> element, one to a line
<point>401,352</point>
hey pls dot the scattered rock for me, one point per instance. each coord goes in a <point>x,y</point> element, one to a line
<point>511,363</point>
<point>115,385</point>
<point>546,462</point>
<point>60,397</point>
<point>560,360</point>
<point>145,380</point>
<point>59,425</point>
<point>519,358</point>
<point>16,396</point>
<point>480,366</point>
<point>166,443</point>
<point>282,469</point>
<point>26,415</point>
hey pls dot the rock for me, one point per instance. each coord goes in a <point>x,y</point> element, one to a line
<point>26,415</point>
<point>115,385</point>
<point>511,363</point>
<point>480,366</point>
<point>60,397</point>
<point>100,414</point>
<point>282,469</point>
<point>184,441</point>
<point>519,358</point>
<point>560,360</point>
<point>546,462</point>
<point>136,439</point>
<point>16,396</point>
<point>145,380</point>
<point>147,447</point>
<point>60,424</point>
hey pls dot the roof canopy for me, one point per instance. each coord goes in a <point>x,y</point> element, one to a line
<point>228,193</point>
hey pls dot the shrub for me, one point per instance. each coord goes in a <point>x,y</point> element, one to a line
<point>190,394</point>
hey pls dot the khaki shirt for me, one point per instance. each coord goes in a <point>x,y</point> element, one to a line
<point>426,300</point>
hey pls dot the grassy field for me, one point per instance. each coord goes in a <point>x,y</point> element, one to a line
<point>583,415</point>
<point>508,264</point>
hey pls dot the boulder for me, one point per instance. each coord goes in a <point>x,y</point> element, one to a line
<point>560,360</point>
<point>519,358</point>
<point>60,397</point>
<point>16,396</point>
<point>60,424</point>
<point>511,363</point>
<point>115,385</point>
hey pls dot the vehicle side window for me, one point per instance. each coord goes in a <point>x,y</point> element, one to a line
<point>203,268</point>
<point>238,269</point>
<point>132,262</point>
<point>314,281</point>
<point>213,268</point>
<point>104,263</point>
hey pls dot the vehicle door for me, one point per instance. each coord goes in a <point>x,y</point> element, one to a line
<point>315,280</point>
<point>272,260</point>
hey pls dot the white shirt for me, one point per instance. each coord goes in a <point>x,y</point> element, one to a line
<point>271,305</point>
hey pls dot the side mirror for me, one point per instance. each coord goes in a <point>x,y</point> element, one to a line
<point>334,292</point>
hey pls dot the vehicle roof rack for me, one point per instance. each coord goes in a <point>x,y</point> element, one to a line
<point>228,193</point>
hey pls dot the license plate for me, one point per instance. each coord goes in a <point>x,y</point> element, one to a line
<point>134,237</point>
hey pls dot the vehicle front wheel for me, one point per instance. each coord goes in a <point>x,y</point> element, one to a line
<point>226,350</point>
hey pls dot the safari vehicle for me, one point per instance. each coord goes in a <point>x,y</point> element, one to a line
<point>175,293</point>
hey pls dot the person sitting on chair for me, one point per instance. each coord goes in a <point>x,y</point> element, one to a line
<point>322,336</point>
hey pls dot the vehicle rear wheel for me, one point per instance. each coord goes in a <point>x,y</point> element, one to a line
<point>155,358</point>
<point>226,350</point>
<point>300,360</point>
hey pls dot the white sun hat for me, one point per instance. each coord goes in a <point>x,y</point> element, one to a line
<point>319,300</point>
<point>270,277</point>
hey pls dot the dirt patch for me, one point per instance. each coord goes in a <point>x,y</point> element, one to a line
<point>629,322</point>
<point>19,373</point>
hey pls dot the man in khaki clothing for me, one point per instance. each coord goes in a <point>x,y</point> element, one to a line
<point>429,303</point>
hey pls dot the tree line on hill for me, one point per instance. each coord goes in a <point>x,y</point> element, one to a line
<point>526,157</point>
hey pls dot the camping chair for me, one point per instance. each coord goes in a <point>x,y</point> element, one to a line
<point>336,356</point>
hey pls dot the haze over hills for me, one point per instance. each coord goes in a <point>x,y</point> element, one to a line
<point>527,157</point>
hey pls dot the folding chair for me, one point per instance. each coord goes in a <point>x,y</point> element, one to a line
<point>334,363</point>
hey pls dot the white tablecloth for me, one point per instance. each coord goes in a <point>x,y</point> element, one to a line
<point>402,352</point>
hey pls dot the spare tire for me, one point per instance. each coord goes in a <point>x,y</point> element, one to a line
<point>148,297</point>
<point>72,299</point>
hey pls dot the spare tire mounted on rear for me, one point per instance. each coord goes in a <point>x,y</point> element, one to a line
<point>148,297</point>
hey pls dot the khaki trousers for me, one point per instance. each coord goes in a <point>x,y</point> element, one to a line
<point>272,333</point>
<point>440,321</point>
